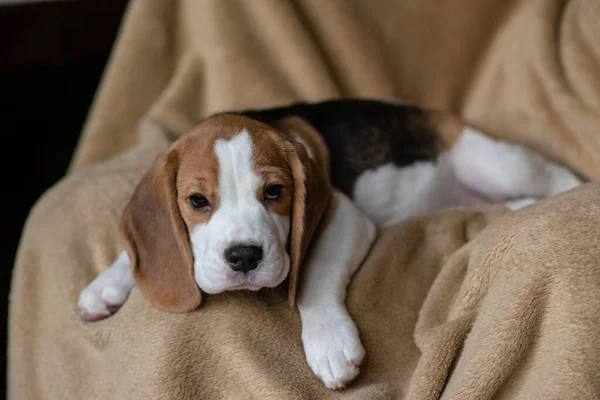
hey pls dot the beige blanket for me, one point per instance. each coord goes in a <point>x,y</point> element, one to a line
<point>457,305</point>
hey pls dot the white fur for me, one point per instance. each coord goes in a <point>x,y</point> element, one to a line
<point>331,341</point>
<point>389,194</point>
<point>519,203</point>
<point>240,219</point>
<point>476,172</point>
<point>110,289</point>
<point>504,171</point>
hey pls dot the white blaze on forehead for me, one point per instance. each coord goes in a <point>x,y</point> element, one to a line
<point>240,219</point>
<point>237,180</point>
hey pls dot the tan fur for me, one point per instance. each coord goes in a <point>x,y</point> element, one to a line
<point>198,174</point>
<point>159,216</point>
<point>526,292</point>
<point>272,165</point>
<point>313,199</point>
<point>155,237</point>
<point>299,128</point>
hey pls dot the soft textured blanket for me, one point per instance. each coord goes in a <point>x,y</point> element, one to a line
<point>456,305</point>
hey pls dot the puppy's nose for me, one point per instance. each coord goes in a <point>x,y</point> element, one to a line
<point>243,258</point>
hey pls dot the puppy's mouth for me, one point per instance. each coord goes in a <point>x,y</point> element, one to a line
<point>241,281</point>
<point>254,280</point>
<point>245,286</point>
<point>270,272</point>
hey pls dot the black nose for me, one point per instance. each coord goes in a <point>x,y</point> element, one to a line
<point>243,258</point>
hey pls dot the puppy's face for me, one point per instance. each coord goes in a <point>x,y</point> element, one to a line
<point>234,191</point>
<point>231,205</point>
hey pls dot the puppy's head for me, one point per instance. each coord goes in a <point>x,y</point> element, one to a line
<point>231,205</point>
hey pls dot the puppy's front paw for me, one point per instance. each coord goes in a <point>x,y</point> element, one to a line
<point>333,349</point>
<point>107,293</point>
<point>98,301</point>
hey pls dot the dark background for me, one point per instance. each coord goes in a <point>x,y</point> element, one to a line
<point>52,55</point>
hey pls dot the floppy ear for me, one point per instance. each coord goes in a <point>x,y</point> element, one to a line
<point>157,241</point>
<point>313,194</point>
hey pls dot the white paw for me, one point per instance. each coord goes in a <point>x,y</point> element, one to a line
<point>519,203</point>
<point>107,293</point>
<point>333,349</point>
<point>561,179</point>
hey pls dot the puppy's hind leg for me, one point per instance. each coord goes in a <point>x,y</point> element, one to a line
<point>519,203</point>
<point>503,171</point>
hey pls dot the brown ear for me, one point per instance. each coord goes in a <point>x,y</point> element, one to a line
<point>157,242</point>
<point>313,194</point>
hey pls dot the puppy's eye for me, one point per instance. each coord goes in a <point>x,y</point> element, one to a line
<point>199,202</point>
<point>273,192</point>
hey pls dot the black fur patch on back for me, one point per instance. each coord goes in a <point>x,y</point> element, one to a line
<point>362,134</point>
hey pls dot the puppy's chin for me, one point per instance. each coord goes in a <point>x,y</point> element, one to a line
<point>267,276</point>
<point>237,284</point>
<point>252,288</point>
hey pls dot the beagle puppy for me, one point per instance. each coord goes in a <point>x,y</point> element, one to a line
<point>247,200</point>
